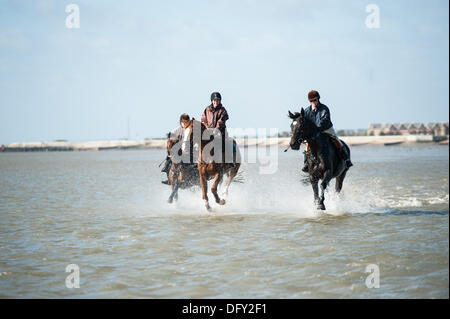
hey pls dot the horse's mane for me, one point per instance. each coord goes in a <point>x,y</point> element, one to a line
<point>308,122</point>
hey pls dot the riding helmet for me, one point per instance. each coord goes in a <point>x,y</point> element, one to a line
<point>216,95</point>
<point>313,94</point>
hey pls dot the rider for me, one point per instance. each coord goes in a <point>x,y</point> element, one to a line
<point>175,133</point>
<point>319,114</point>
<point>215,116</point>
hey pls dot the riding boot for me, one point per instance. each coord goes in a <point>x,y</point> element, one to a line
<point>167,164</point>
<point>166,169</point>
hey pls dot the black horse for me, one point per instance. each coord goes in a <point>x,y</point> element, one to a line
<point>323,158</point>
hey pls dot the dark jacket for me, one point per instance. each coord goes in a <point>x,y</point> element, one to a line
<point>321,117</point>
<point>215,117</point>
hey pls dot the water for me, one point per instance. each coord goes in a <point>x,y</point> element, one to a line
<point>107,213</point>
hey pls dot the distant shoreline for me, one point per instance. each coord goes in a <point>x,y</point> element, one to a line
<point>243,142</point>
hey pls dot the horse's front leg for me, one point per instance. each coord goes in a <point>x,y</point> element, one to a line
<point>204,187</point>
<point>217,179</point>
<point>323,186</point>
<point>315,187</point>
<point>174,193</point>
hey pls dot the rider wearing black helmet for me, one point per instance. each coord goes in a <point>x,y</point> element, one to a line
<point>215,116</point>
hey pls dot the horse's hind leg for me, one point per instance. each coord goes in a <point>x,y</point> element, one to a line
<point>217,179</point>
<point>340,181</point>
<point>232,175</point>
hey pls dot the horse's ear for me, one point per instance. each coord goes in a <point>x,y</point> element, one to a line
<point>193,119</point>
<point>292,116</point>
<point>302,111</point>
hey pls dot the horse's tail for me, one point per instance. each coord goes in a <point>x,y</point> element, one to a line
<point>239,178</point>
<point>346,148</point>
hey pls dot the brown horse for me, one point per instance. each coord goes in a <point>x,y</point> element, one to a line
<point>210,166</point>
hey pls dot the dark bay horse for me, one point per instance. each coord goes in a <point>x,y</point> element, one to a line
<point>181,175</point>
<point>324,161</point>
<point>209,165</point>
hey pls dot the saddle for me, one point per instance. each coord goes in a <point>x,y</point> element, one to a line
<point>335,142</point>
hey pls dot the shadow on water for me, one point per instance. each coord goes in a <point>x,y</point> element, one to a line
<point>410,213</point>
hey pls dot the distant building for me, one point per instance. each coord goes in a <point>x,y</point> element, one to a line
<point>374,129</point>
<point>436,129</point>
<point>443,129</point>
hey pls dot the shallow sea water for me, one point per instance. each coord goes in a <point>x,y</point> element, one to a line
<point>107,213</point>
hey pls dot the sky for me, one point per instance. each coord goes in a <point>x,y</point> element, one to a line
<point>146,62</point>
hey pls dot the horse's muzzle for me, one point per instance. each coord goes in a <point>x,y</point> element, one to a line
<point>295,146</point>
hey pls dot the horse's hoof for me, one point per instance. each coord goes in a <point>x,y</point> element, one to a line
<point>170,201</point>
<point>222,202</point>
<point>321,207</point>
<point>208,208</point>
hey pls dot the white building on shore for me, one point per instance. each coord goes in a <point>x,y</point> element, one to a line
<point>435,129</point>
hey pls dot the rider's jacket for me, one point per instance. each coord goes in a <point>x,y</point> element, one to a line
<point>176,133</point>
<point>215,117</point>
<point>321,117</point>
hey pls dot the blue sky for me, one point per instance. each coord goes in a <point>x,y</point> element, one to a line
<point>150,61</point>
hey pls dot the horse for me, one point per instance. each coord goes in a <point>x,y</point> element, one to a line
<point>181,175</point>
<point>210,167</point>
<point>323,159</point>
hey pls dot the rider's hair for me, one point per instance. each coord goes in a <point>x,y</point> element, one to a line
<point>184,117</point>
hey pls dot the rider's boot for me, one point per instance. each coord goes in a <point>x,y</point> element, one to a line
<point>166,169</point>
<point>342,151</point>
<point>167,163</point>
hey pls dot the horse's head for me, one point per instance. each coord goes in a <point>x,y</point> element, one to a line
<point>302,129</point>
<point>297,129</point>
<point>171,141</point>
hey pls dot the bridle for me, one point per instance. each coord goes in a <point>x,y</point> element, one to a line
<point>299,139</point>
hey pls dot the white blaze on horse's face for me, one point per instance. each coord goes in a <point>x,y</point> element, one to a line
<point>185,138</point>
